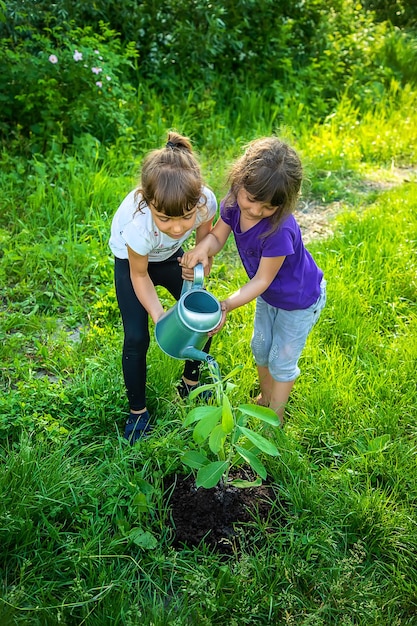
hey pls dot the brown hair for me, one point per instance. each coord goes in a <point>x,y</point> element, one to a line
<point>271,172</point>
<point>171,178</point>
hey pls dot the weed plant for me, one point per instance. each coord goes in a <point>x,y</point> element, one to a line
<point>84,532</point>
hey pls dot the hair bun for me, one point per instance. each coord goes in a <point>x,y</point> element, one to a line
<point>175,140</point>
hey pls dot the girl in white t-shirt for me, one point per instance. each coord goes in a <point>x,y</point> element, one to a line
<point>146,236</point>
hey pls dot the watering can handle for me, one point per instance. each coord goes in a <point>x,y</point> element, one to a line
<point>198,281</point>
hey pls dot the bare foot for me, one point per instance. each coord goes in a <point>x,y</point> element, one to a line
<point>260,401</point>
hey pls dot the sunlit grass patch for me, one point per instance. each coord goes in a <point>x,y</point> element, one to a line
<point>84,532</point>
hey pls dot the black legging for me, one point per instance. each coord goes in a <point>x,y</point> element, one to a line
<point>168,274</point>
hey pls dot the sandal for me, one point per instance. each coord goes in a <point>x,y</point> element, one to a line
<point>137,426</point>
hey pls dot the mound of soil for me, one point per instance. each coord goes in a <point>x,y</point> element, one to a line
<point>212,515</point>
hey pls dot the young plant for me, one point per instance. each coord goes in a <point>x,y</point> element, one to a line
<point>221,431</point>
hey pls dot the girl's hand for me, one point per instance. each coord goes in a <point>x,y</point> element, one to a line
<point>187,274</point>
<point>222,322</point>
<point>191,258</point>
<point>159,316</point>
<point>207,269</point>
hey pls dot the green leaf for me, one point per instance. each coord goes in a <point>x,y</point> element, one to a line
<point>144,486</point>
<point>199,413</point>
<point>260,442</point>
<point>206,425</point>
<point>261,412</point>
<point>241,421</point>
<point>200,389</point>
<point>233,372</point>
<point>253,461</point>
<point>194,459</point>
<point>244,484</point>
<point>227,416</point>
<point>216,440</point>
<point>211,474</point>
<point>140,502</point>
<point>379,443</point>
<point>143,539</point>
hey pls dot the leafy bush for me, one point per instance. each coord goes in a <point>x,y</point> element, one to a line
<point>62,82</point>
<point>188,61</point>
<point>398,12</point>
<point>273,45</point>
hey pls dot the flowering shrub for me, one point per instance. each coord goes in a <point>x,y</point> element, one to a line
<point>58,85</point>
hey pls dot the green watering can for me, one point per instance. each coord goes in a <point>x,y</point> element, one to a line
<point>182,331</point>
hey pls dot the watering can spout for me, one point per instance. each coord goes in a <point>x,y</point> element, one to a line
<point>194,354</point>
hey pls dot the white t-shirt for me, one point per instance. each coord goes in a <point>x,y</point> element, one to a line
<point>137,229</point>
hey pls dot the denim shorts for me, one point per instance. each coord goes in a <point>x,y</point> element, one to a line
<point>279,336</point>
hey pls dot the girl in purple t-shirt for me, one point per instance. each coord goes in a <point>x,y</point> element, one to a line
<point>288,286</point>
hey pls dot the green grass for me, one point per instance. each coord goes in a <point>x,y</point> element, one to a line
<point>84,533</point>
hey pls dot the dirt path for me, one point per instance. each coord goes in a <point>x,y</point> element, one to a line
<point>315,219</point>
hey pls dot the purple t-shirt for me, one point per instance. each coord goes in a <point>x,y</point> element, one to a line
<point>297,283</point>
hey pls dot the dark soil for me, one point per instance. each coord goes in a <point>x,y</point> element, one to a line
<point>213,516</point>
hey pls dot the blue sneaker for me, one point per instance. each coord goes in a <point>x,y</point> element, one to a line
<point>137,426</point>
